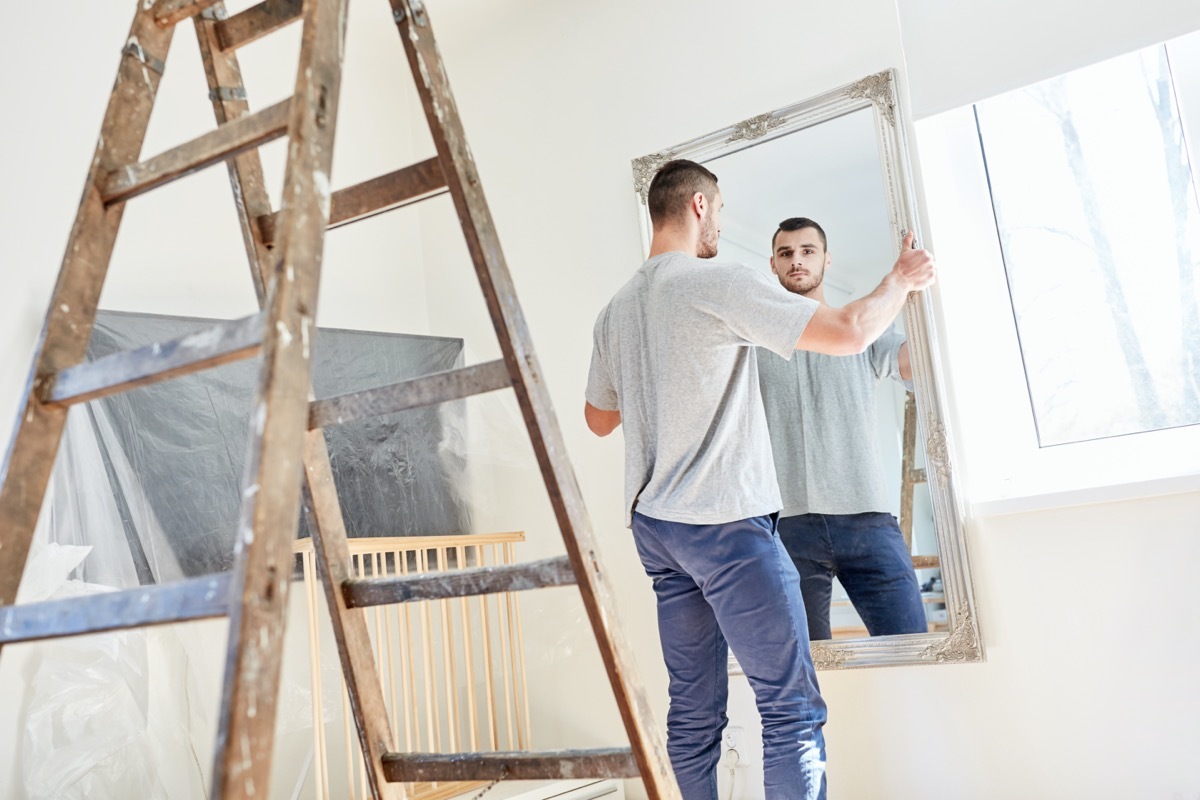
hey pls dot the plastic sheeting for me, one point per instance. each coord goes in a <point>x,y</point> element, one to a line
<point>170,456</point>
<point>107,715</point>
<point>147,489</point>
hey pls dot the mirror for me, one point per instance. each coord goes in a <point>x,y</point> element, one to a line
<point>863,462</point>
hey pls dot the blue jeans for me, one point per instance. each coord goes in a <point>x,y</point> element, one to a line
<point>734,582</point>
<point>866,552</point>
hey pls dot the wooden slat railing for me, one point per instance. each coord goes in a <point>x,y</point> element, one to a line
<point>453,670</point>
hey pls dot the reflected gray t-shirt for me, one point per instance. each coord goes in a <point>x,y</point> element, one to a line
<point>822,416</point>
<point>673,351</point>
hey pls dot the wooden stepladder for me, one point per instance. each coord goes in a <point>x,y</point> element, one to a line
<point>910,476</point>
<point>287,444</point>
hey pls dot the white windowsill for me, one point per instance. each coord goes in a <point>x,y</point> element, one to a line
<point>1180,484</point>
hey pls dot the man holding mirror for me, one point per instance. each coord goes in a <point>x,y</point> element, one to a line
<point>821,416</point>
<point>673,362</point>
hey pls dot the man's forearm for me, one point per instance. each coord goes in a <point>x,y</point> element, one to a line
<point>872,315</point>
<point>853,327</point>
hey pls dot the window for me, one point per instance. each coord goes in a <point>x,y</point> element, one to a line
<point>1046,408</point>
<point>1096,209</point>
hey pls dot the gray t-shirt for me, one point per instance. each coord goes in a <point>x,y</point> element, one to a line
<point>822,418</point>
<point>673,351</point>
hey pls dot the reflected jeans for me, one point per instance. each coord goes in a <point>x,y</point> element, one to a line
<point>734,583</point>
<point>866,552</point>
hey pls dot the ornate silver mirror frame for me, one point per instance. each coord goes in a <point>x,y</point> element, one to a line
<point>962,642</point>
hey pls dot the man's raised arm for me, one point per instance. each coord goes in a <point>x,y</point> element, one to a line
<point>852,328</point>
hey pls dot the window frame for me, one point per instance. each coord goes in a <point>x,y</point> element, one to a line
<point>1005,469</point>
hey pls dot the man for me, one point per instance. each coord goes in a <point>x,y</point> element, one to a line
<point>673,362</point>
<point>821,415</point>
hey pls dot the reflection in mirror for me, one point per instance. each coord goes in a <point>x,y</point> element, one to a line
<point>840,160</point>
<point>836,422</point>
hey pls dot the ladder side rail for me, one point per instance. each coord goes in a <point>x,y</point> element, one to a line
<point>908,473</point>
<point>364,687</point>
<point>228,95</point>
<point>63,341</point>
<point>462,178</point>
<point>271,485</point>
<point>246,177</point>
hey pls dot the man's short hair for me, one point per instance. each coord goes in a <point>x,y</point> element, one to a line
<point>674,186</point>
<point>795,224</point>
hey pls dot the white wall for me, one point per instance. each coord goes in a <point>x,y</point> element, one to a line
<point>1088,691</point>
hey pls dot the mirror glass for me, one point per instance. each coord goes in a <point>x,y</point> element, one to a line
<point>833,174</point>
<point>869,488</point>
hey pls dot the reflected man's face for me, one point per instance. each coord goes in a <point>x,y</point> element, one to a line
<point>799,260</point>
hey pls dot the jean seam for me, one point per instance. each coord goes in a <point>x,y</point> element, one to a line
<point>779,566</point>
<point>720,652</point>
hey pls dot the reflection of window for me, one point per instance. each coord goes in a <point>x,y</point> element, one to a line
<point>1097,214</point>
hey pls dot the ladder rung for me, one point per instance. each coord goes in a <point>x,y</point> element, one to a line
<point>169,12</point>
<point>367,592</point>
<point>376,196</point>
<point>195,598</point>
<point>119,372</point>
<point>256,22</point>
<point>919,476</point>
<point>926,562</point>
<point>213,147</point>
<point>617,762</point>
<point>440,387</point>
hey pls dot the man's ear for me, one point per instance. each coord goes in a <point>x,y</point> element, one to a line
<point>699,204</point>
<point>773,270</point>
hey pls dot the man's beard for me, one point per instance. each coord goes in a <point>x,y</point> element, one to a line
<point>707,248</point>
<point>806,284</point>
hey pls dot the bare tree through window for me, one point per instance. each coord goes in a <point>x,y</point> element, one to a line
<point>1096,211</point>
